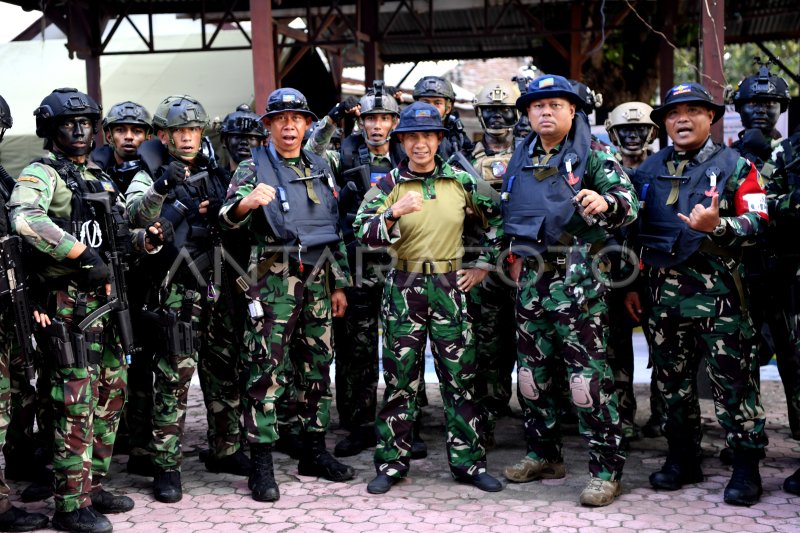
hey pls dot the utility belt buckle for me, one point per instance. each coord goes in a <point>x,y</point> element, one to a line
<point>561,260</point>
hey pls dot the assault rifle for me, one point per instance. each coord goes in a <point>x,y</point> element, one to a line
<point>14,283</point>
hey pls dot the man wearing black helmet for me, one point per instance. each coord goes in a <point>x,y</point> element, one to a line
<point>50,210</point>
<point>187,189</point>
<point>126,126</point>
<point>439,93</point>
<point>240,132</point>
<point>286,198</point>
<point>702,202</point>
<point>11,518</point>
<point>560,197</point>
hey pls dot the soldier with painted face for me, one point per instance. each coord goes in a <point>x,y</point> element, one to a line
<point>50,209</point>
<point>184,306</point>
<point>702,203</point>
<point>495,107</point>
<point>11,518</point>
<point>560,197</point>
<point>241,131</point>
<point>286,197</point>
<point>420,210</point>
<point>631,131</point>
<point>364,158</point>
<point>439,93</point>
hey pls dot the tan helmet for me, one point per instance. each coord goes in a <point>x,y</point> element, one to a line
<point>497,93</point>
<point>630,113</point>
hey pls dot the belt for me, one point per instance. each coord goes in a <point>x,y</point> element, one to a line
<point>428,267</point>
<point>547,262</point>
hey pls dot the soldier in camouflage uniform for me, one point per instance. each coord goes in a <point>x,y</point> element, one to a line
<point>561,312</point>
<point>702,203</point>
<point>188,305</point>
<point>631,131</point>
<point>439,93</point>
<point>11,518</point>
<point>495,341</point>
<point>298,272</point>
<point>49,211</point>
<point>363,159</point>
<point>420,211</point>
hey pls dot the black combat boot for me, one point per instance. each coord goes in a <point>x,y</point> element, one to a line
<point>678,470</point>
<point>744,488</point>
<point>792,483</point>
<point>141,465</point>
<point>419,450</point>
<point>236,463</point>
<point>316,461</point>
<point>106,503</point>
<point>40,489</point>
<point>358,440</point>
<point>289,443</point>
<point>16,519</point>
<point>167,486</point>
<point>84,520</point>
<point>262,477</point>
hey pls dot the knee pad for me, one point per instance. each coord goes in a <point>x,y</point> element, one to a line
<point>579,387</point>
<point>527,387</point>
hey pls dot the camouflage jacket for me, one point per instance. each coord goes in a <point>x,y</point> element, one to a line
<point>242,183</point>
<point>370,226</point>
<point>709,283</point>
<point>40,195</point>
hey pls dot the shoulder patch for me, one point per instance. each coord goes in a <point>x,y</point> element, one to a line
<point>28,178</point>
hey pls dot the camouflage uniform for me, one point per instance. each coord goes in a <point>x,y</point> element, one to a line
<point>697,309</point>
<point>554,322</point>
<point>416,306</point>
<point>5,400</point>
<point>86,401</point>
<point>294,330</point>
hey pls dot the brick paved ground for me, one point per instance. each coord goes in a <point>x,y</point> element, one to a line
<point>430,501</point>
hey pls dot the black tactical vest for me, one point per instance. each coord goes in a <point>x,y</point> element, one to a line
<point>294,219</point>
<point>664,239</point>
<point>537,210</point>
<point>122,175</point>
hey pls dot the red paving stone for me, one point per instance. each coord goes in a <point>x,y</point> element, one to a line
<point>429,501</point>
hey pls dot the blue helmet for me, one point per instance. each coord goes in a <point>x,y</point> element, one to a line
<point>549,86</point>
<point>419,116</point>
<point>287,99</point>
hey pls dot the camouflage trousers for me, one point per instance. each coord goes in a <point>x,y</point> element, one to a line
<point>87,405</point>
<point>5,399</point>
<point>219,378</point>
<point>415,307</point>
<point>290,329</point>
<point>551,325</point>
<point>679,344</point>
<point>495,344</point>
<point>355,339</point>
<point>620,359</point>
<point>173,376</point>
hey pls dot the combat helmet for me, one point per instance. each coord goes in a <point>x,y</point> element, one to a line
<point>65,102</point>
<point>377,102</point>
<point>630,114</point>
<point>127,113</point>
<point>180,112</point>
<point>434,87</point>
<point>244,122</point>
<point>287,99</point>
<point>5,117</point>
<point>496,93</point>
<point>763,85</point>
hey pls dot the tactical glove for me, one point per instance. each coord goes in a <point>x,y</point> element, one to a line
<point>338,111</point>
<point>94,272</point>
<point>166,235</point>
<point>754,142</point>
<point>174,175</point>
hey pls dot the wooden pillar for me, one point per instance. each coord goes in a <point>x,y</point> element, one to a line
<point>713,44</point>
<point>368,24</point>
<point>263,34</point>
<point>94,90</point>
<point>666,60</point>
<point>575,52</point>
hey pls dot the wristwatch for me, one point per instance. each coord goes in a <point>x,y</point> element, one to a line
<point>721,228</point>
<point>612,203</point>
<point>389,215</point>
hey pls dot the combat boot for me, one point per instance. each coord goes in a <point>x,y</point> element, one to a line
<point>236,463</point>
<point>167,486</point>
<point>419,450</point>
<point>289,443</point>
<point>262,476</point>
<point>106,503</point>
<point>16,519</point>
<point>599,492</point>
<point>529,469</point>
<point>677,472</point>
<point>316,461</point>
<point>141,465</point>
<point>744,488</point>
<point>358,440</point>
<point>84,520</point>
<point>792,483</point>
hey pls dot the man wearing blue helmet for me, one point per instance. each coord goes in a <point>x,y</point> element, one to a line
<point>286,197</point>
<point>420,211</point>
<point>560,198</point>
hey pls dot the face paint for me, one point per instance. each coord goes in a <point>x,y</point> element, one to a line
<point>73,136</point>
